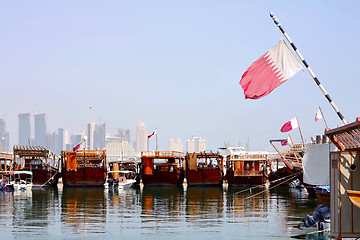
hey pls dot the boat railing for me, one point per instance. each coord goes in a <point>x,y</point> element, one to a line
<point>248,173</point>
<point>245,157</point>
<point>162,154</point>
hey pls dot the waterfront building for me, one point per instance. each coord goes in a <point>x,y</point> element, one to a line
<point>141,138</point>
<point>24,129</point>
<point>171,144</point>
<point>40,130</point>
<point>4,137</point>
<point>119,150</point>
<point>195,144</point>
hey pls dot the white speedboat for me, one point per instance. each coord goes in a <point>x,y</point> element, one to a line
<point>21,180</point>
<point>121,182</point>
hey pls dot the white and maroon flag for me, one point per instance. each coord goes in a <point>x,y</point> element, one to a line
<point>318,115</point>
<point>290,125</point>
<point>270,71</point>
<point>152,134</point>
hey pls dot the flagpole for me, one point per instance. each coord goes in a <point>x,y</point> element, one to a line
<point>323,117</point>
<point>300,130</point>
<point>157,148</point>
<point>277,22</point>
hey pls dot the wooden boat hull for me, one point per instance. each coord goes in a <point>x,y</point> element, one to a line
<point>42,178</point>
<point>84,177</point>
<point>354,197</point>
<point>245,180</point>
<point>163,178</point>
<point>324,198</point>
<point>204,177</point>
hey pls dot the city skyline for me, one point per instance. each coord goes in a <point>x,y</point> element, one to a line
<point>176,66</point>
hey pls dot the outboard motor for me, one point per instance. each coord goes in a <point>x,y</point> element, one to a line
<point>320,216</point>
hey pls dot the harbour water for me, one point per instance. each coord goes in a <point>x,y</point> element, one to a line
<point>156,213</point>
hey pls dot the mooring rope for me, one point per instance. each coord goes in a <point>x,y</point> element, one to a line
<point>273,186</point>
<point>261,185</point>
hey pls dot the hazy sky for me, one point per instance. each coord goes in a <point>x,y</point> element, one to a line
<point>174,65</point>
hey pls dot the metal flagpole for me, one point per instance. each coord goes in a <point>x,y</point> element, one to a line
<point>300,129</point>
<point>323,117</point>
<point>157,148</point>
<point>277,22</point>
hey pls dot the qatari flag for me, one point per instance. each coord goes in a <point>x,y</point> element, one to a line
<point>270,71</point>
<point>290,125</point>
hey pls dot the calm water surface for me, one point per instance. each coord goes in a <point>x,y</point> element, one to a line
<point>155,213</point>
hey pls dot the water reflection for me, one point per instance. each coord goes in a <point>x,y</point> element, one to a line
<point>161,213</point>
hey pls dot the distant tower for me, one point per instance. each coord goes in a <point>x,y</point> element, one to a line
<point>178,145</point>
<point>90,135</point>
<point>141,138</point>
<point>171,145</point>
<point>24,129</point>
<point>62,140</point>
<point>40,130</point>
<point>99,136</point>
<point>196,144</point>
<point>124,134</point>
<point>4,137</point>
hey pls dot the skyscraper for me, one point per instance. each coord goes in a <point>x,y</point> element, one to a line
<point>124,134</point>
<point>24,129</point>
<point>4,137</point>
<point>99,136</point>
<point>62,140</point>
<point>196,144</point>
<point>40,129</point>
<point>141,138</point>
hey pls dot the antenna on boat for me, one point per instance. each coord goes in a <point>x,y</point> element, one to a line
<point>278,24</point>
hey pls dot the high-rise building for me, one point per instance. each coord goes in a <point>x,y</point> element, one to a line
<point>62,140</point>
<point>141,138</point>
<point>51,140</point>
<point>24,129</point>
<point>90,135</point>
<point>99,136</point>
<point>40,129</point>
<point>196,144</point>
<point>4,137</point>
<point>77,138</point>
<point>175,146</point>
<point>124,134</point>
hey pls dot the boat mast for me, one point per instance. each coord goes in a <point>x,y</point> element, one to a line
<point>327,96</point>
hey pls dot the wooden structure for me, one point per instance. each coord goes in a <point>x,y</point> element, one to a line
<point>204,169</point>
<point>43,164</point>
<point>246,169</point>
<point>344,179</point>
<point>6,160</point>
<point>162,168</point>
<point>86,168</point>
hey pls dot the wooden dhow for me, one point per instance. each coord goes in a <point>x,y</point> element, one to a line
<point>43,164</point>
<point>204,169</point>
<point>162,168</point>
<point>85,168</point>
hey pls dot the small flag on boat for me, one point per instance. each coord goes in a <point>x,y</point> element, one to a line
<point>152,134</point>
<point>269,71</point>
<point>77,147</point>
<point>318,115</point>
<point>290,125</point>
<point>284,143</point>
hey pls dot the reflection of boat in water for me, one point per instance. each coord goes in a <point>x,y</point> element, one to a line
<point>204,169</point>
<point>162,168</point>
<point>246,168</point>
<point>86,168</point>
<point>43,164</point>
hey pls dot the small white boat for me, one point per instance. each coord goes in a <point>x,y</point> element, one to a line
<point>20,180</point>
<point>123,181</point>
